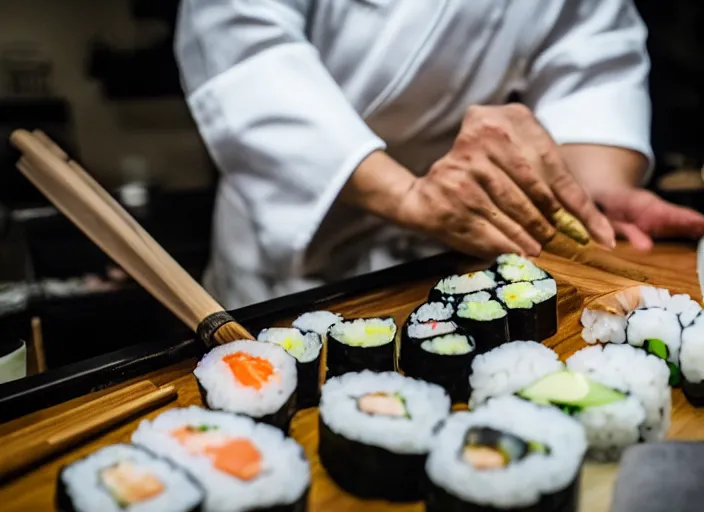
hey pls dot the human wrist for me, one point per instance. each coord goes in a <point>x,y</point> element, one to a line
<point>378,186</point>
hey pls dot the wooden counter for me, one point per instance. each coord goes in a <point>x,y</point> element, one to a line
<point>671,266</point>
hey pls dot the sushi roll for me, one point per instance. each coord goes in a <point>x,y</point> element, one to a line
<point>306,348</point>
<point>375,433</point>
<point>317,321</point>
<point>123,477</point>
<point>242,465</point>
<point>444,360</point>
<point>510,368</point>
<point>692,361</point>
<point>453,288</point>
<point>532,309</point>
<point>485,319</point>
<point>507,455</point>
<point>620,387</point>
<point>512,268</point>
<point>636,374</point>
<point>363,343</point>
<point>251,378</point>
<point>659,332</point>
<point>428,320</point>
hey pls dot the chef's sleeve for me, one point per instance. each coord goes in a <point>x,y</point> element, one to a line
<point>273,119</point>
<point>589,82</point>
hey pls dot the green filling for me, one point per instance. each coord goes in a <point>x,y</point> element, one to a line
<point>481,311</point>
<point>448,345</point>
<point>570,391</point>
<point>659,349</point>
<point>202,428</point>
<point>508,447</point>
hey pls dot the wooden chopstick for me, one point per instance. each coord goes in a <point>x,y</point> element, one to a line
<point>38,344</point>
<point>104,221</point>
<point>30,445</point>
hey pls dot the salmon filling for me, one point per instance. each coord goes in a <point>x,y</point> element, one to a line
<point>383,404</point>
<point>237,457</point>
<point>250,371</point>
<point>129,484</point>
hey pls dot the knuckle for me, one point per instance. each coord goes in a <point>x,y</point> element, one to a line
<point>519,110</point>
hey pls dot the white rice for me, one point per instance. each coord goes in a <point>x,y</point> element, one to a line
<point>304,346</point>
<point>692,351</point>
<point>655,323</point>
<point>432,311</point>
<point>87,493</point>
<point>600,326</point>
<point>651,297</point>
<point>629,370</point>
<point>519,269</point>
<point>364,332</point>
<point>509,368</point>
<point>317,321</point>
<point>449,345</point>
<point>226,393</point>
<point>285,474</point>
<point>467,283</point>
<point>685,308</point>
<point>612,428</point>
<point>427,405</point>
<point>523,482</point>
<point>429,330</point>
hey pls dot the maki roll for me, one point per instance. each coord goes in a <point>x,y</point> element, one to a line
<point>635,373</point>
<point>620,394</point>
<point>507,455</point>
<point>376,430</point>
<point>124,477</point>
<point>486,319</point>
<point>427,321</point>
<point>509,368</point>
<point>692,361</point>
<point>317,321</point>
<point>659,332</point>
<point>532,309</point>
<point>444,360</point>
<point>453,288</point>
<point>364,343</point>
<point>251,378</point>
<point>241,464</point>
<point>306,348</point>
<point>512,268</point>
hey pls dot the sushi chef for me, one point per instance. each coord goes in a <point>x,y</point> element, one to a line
<point>356,134</point>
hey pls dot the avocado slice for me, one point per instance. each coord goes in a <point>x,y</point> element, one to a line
<point>571,389</point>
<point>659,349</point>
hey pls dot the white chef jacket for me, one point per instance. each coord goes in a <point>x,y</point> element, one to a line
<point>291,95</point>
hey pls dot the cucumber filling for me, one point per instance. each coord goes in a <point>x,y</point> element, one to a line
<point>571,391</point>
<point>660,349</point>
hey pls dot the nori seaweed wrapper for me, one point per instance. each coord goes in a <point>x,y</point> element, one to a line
<point>342,358</point>
<point>371,472</point>
<point>566,500</point>
<point>308,385</point>
<point>449,371</point>
<point>280,419</point>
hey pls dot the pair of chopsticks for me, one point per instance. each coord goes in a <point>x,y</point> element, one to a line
<point>75,193</point>
<point>35,443</point>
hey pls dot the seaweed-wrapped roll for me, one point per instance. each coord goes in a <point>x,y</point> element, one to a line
<point>251,378</point>
<point>428,320</point>
<point>376,430</point>
<point>361,344</point>
<point>125,477</point>
<point>506,455</point>
<point>243,465</point>
<point>307,349</point>
<point>512,268</point>
<point>532,309</point>
<point>485,319</point>
<point>453,288</point>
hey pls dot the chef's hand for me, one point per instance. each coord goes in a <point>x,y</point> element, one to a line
<point>638,215</point>
<point>496,188</point>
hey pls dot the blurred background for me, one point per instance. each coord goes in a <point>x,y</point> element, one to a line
<point>100,78</point>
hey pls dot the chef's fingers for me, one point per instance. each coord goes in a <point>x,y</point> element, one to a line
<point>480,204</point>
<point>635,236</point>
<point>540,156</point>
<point>481,238</point>
<point>514,202</point>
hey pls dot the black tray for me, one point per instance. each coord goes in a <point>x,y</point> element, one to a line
<point>37,392</point>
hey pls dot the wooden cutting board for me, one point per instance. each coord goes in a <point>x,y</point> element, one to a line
<point>669,266</point>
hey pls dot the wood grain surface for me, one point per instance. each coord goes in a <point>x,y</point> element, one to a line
<point>671,266</point>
